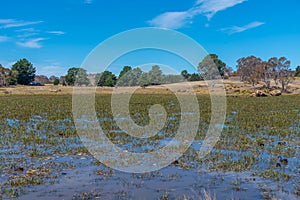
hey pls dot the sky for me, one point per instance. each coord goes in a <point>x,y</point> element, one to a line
<point>55,35</point>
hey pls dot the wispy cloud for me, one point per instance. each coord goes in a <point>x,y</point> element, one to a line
<point>7,64</point>
<point>6,21</point>
<point>25,35</point>
<point>208,8</point>
<point>27,32</point>
<point>239,29</point>
<point>4,38</point>
<point>88,1</point>
<point>12,23</point>
<point>50,70</point>
<point>56,32</point>
<point>32,43</point>
<point>171,20</point>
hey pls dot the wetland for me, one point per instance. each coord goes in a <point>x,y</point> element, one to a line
<point>257,156</point>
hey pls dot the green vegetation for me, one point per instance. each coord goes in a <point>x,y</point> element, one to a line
<point>124,71</point>
<point>211,67</point>
<point>77,76</point>
<point>106,78</point>
<point>42,126</point>
<point>191,77</point>
<point>250,69</point>
<point>297,71</point>
<point>129,77</point>
<point>25,72</point>
<point>256,132</point>
<point>56,82</point>
<point>136,77</point>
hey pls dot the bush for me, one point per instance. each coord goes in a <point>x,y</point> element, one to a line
<point>64,83</point>
<point>56,82</point>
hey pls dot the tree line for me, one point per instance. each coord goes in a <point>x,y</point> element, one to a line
<point>128,77</point>
<point>254,70</point>
<point>22,72</point>
<point>250,69</point>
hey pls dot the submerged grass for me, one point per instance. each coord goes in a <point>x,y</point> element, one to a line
<point>34,129</point>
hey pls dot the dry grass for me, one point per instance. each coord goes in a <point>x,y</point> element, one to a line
<point>207,195</point>
<point>233,87</point>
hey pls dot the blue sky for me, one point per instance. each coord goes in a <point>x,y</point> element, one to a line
<point>58,34</point>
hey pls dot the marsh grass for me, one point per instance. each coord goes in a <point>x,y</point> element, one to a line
<point>40,127</point>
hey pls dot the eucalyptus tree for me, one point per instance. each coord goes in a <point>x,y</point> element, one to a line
<point>249,69</point>
<point>282,73</point>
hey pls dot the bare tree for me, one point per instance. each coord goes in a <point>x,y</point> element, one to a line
<point>282,74</point>
<point>250,69</point>
<point>4,76</point>
<point>266,74</point>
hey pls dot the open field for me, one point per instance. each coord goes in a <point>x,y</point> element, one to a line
<point>43,157</point>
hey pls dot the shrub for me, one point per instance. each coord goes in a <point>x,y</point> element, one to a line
<point>56,82</point>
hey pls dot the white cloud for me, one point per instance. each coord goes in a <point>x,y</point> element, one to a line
<point>32,43</point>
<point>12,23</point>
<point>6,21</point>
<point>3,38</point>
<point>239,29</point>
<point>26,35</point>
<point>88,1</point>
<point>7,64</point>
<point>27,30</point>
<point>171,20</point>
<point>208,8</point>
<point>56,32</point>
<point>51,70</point>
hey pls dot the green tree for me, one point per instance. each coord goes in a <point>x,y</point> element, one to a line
<point>106,78</point>
<point>194,77</point>
<point>185,74</point>
<point>64,83</point>
<point>76,76</point>
<point>124,71</point>
<point>144,80</point>
<point>52,78</point>
<point>211,67</point>
<point>130,78</point>
<point>26,71</point>
<point>135,74</point>
<point>13,77</point>
<point>71,76</point>
<point>155,75</point>
<point>297,71</point>
<point>82,77</point>
<point>56,82</point>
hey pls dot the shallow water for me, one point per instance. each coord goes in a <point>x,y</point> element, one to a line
<point>43,157</point>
